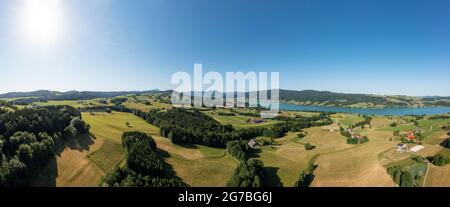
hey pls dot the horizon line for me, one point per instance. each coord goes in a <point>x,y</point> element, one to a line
<point>162,90</point>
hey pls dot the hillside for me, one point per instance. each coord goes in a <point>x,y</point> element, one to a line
<point>305,97</point>
<point>326,98</point>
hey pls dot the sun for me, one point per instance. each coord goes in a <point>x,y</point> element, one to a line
<point>42,21</point>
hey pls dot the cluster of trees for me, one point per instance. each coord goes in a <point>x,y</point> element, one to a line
<point>118,101</point>
<point>144,167</point>
<point>361,124</point>
<point>351,139</point>
<point>76,127</point>
<point>297,123</point>
<point>360,140</point>
<point>309,146</point>
<point>419,159</point>
<point>222,113</point>
<point>248,173</point>
<point>306,176</point>
<point>345,133</point>
<point>443,116</point>
<point>402,178</point>
<point>5,104</point>
<point>28,137</point>
<point>440,160</point>
<point>301,134</point>
<point>238,149</point>
<point>185,126</point>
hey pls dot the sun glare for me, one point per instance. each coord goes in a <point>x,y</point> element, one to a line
<point>42,21</point>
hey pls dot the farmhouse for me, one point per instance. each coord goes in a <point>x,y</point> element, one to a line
<point>253,144</point>
<point>356,136</point>
<point>401,146</point>
<point>410,135</point>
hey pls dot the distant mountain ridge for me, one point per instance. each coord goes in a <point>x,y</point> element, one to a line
<point>327,98</point>
<point>305,97</point>
<point>69,95</point>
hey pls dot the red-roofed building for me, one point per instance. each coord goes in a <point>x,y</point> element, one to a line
<point>410,135</point>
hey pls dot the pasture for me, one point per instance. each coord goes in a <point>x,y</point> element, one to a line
<point>145,103</point>
<point>74,103</point>
<point>350,119</point>
<point>239,121</point>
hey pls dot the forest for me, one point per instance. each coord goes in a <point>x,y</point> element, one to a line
<point>28,138</point>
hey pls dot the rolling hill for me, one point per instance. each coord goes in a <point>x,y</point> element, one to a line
<point>305,97</point>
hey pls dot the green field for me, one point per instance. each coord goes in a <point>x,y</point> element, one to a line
<point>108,156</point>
<point>400,128</point>
<point>350,119</point>
<point>145,103</point>
<point>239,121</point>
<point>74,103</point>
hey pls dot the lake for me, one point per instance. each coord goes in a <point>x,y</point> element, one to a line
<point>398,111</point>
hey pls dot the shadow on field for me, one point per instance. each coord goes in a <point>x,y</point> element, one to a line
<point>188,145</point>
<point>446,143</point>
<point>271,177</point>
<point>168,169</point>
<point>80,143</point>
<point>48,174</point>
<point>163,153</point>
<point>254,153</point>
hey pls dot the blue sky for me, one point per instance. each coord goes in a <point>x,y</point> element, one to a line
<point>353,46</point>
